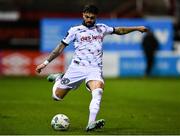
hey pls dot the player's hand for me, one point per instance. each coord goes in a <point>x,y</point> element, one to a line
<point>142,29</point>
<point>40,67</point>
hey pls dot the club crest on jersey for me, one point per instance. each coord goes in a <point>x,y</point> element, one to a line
<point>99,29</point>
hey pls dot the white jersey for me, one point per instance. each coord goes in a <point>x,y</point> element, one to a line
<point>87,43</point>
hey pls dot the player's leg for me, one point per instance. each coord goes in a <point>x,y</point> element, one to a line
<point>72,78</point>
<point>96,88</point>
<point>59,93</point>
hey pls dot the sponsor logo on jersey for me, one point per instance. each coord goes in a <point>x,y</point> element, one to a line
<point>92,38</point>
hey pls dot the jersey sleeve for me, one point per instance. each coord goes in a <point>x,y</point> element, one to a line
<point>108,29</point>
<point>70,36</point>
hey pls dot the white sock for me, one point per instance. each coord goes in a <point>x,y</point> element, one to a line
<point>95,104</point>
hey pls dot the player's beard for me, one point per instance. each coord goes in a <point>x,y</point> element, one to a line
<point>88,25</point>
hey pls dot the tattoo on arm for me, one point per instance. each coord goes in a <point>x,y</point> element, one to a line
<point>124,30</point>
<point>56,52</point>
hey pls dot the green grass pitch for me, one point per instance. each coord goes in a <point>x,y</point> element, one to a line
<point>129,106</point>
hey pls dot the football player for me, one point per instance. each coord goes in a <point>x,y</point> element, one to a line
<point>87,61</point>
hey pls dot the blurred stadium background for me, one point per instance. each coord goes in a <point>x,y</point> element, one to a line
<point>30,29</point>
<point>28,32</point>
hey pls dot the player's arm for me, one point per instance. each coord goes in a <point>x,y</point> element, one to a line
<point>126,30</point>
<point>56,52</point>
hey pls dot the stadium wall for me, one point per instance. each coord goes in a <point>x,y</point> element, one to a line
<point>116,64</point>
<point>23,63</point>
<point>53,30</point>
<point>122,54</point>
<point>132,64</point>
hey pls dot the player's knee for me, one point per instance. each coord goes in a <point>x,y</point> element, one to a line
<point>56,98</point>
<point>55,95</point>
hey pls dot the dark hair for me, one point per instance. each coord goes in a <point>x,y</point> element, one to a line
<point>90,9</point>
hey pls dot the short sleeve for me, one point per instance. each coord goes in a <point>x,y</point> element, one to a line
<point>70,36</point>
<point>107,29</point>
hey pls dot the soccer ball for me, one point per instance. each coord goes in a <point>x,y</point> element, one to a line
<point>60,122</point>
